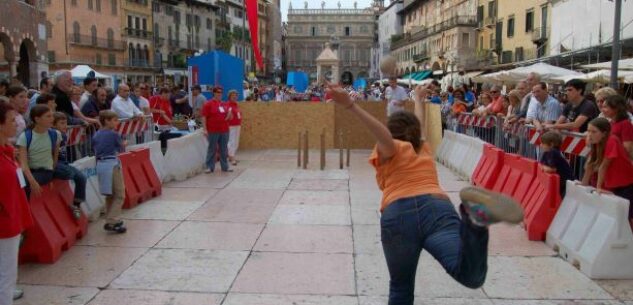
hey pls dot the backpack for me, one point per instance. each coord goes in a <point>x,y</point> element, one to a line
<point>52,133</point>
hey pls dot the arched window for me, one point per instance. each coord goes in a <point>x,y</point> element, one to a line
<point>131,54</point>
<point>76,37</point>
<point>110,38</point>
<point>93,35</point>
<point>49,29</point>
<point>146,51</point>
<point>113,3</point>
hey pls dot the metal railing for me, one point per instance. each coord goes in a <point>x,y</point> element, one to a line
<point>95,42</point>
<point>79,137</point>
<point>450,23</point>
<point>138,33</point>
<point>520,139</point>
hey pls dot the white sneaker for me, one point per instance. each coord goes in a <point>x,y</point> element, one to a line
<point>208,171</point>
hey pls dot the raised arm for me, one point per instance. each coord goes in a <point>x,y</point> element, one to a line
<point>421,93</point>
<point>386,147</point>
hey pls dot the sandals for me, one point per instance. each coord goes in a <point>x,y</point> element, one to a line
<point>117,227</point>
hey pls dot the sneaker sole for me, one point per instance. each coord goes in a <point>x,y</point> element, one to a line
<point>501,207</point>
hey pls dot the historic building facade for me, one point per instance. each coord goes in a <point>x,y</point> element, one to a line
<point>137,25</point>
<point>86,32</point>
<point>308,30</point>
<point>389,25</point>
<point>181,28</point>
<point>438,36</point>
<point>23,41</point>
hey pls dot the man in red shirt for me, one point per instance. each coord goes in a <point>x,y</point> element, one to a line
<point>215,121</point>
<point>161,109</point>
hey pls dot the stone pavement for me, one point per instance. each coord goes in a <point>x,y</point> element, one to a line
<point>269,234</point>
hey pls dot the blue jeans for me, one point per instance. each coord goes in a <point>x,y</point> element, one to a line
<point>64,171</point>
<point>215,139</point>
<point>431,223</point>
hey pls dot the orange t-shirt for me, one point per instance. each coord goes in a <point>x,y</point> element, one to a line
<point>458,108</point>
<point>406,174</point>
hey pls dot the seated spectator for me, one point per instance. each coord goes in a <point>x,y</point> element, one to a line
<point>608,167</point>
<point>459,105</point>
<point>161,109</point>
<point>63,170</point>
<point>578,112</point>
<point>553,161</point>
<point>123,106</point>
<point>46,99</point>
<point>543,109</point>
<point>615,110</point>
<point>97,103</point>
<point>180,102</point>
<point>75,98</point>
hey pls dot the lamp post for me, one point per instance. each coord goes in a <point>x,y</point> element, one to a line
<point>615,49</point>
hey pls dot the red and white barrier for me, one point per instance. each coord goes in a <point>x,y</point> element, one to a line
<point>133,126</point>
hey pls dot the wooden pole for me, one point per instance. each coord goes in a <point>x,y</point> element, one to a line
<point>349,148</point>
<point>323,149</point>
<point>340,148</point>
<point>299,151</point>
<point>305,150</point>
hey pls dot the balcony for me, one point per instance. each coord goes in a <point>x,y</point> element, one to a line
<point>490,21</point>
<point>420,57</point>
<point>138,33</point>
<point>540,35</point>
<point>140,63</point>
<point>159,42</point>
<point>95,42</point>
<point>469,21</point>
<point>139,2</point>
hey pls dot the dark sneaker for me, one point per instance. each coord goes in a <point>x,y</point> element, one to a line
<point>118,227</point>
<point>18,294</point>
<point>228,171</point>
<point>76,210</point>
<point>485,207</point>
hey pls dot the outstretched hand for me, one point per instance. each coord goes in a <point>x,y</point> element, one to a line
<point>422,92</point>
<point>339,95</point>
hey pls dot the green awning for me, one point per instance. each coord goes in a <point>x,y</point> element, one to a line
<point>422,75</point>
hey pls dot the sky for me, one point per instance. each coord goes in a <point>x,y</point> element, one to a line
<point>299,4</point>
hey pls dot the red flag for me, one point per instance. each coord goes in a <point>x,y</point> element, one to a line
<point>253,22</point>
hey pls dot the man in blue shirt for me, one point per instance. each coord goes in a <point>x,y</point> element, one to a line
<point>543,109</point>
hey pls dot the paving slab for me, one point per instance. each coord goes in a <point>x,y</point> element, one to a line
<point>293,197</point>
<point>82,266</point>
<point>263,179</point>
<point>336,174</point>
<point>539,278</point>
<point>279,299</point>
<point>319,184</point>
<point>212,236</point>
<point>140,233</point>
<point>216,180</point>
<point>311,215</point>
<point>511,240</point>
<point>375,300</point>
<point>185,270</point>
<point>247,197</point>
<point>186,194</point>
<point>162,210</point>
<point>621,289</point>
<point>453,185</point>
<point>367,239</point>
<point>305,238</point>
<point>431,280</point>
<point>555,302</point>
<point>55,295</point>
<point>365,215</point>
<point>144,297</point>
<point>297,273</point>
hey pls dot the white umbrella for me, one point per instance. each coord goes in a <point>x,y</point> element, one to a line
<point>81,71</point>
<point>623,64</point>
<point>547,72</point>
<point>599,76</point>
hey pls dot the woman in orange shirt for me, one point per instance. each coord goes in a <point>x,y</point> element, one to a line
<point>416,213</point>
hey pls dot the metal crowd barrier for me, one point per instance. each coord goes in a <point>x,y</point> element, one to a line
<point>520,139</point>
<point>134,131</point>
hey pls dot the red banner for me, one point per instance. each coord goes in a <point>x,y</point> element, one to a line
<point>253,23</point>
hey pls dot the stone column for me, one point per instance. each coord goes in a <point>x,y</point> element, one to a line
<point>319,72</point>
<point>336,77</point>
<point>13,68</point>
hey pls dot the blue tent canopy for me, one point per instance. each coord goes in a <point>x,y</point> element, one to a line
<point>298,80</point>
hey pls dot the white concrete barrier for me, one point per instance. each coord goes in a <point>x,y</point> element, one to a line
<point>448,141</point>
<point>458,153</point>
<point>592,232</point>
<point>184,157</point>
<point>469,163</point>
<point>156,156</point>
<point>94,200</point>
